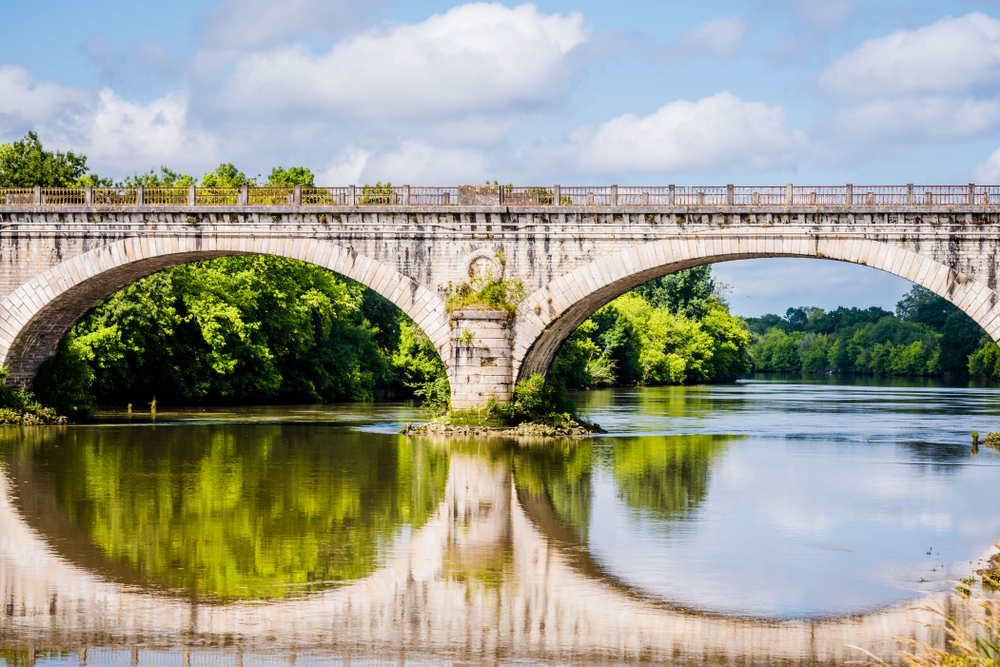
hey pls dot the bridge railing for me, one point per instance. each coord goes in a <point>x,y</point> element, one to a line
<point>714,196</point>
<point>433,196</point>
<point>165,196</point>
<point>312,196</point>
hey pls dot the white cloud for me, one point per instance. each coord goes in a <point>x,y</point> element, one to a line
<point>718,37</point>
<point>115,134</point>
<point>246,24</point>
<point>989,171</point>
<point>952,55</point>
<point>721,132</point>
<point>475,57</point>
<point>118,133</point>
<point>934,118</point>
<point>346,170</point>
<point>24,101</point>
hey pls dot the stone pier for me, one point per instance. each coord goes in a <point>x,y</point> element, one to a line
<point>482,345</point>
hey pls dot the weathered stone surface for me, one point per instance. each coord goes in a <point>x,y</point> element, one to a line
<point>57,262</point>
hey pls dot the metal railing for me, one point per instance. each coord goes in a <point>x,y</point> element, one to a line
<point>687,196</point>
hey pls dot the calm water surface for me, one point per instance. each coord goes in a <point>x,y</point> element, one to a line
<point>770,520</point>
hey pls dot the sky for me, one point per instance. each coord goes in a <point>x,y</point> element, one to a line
<point>811,92</point>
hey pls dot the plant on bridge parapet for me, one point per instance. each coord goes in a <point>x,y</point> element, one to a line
<point>488,288</point>
<point>377,194</point>
<point>165,179</point>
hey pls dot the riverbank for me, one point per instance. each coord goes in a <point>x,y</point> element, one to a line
<point>20,408</point>
<point>38,417</point>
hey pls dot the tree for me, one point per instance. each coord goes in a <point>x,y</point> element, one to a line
<point>922,306</point>
<point>686,292</point>
<point>226,176</point>
<point>25,164</point>
<point>291,176</point>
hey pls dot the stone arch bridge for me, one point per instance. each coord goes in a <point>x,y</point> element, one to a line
<point>62,251</point>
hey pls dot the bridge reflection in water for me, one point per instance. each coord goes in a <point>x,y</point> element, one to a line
<point>476,554</point>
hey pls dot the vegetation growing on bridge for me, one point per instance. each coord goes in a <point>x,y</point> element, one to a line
<point>489,288</point>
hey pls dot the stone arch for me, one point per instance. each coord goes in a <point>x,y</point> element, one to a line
<point>36,316</point>
<point>549,315</point>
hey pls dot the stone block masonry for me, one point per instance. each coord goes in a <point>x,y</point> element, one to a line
<point>482,342</point>
<point>56,262</point>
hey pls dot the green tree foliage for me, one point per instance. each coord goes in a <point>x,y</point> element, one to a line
<point>669,331</point>
<point>688,292</point>
<point>927,336</point>
<point>25,164</point>
<point>229,330</point>
<point>226,176</point>
<point>419,367</point>
<point>985,360</point>
<point>291,176</point>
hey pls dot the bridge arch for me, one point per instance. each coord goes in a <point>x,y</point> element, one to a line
<point>548,316</point>
<point>36,316</point>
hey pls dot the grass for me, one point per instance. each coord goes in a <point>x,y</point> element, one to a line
<point>971,626</point>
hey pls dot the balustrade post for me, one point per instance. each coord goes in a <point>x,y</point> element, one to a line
<point>849,194</point>
<point>406,195</point>
<point>729,195</point>
<point>297,196</point>
<point>670,196</point>
<point>192,196</point>
<point>557,195</point>
<point>972,194</point>
<point>645,197</point>
<point>909,194</point>
<point>701,199</point>
<point>140,196</point>
<point>88,195</point>
<point>352,196</point>
<point>38,195</point>
<point>244,197</point>
<point>789,195</point>
<point>614,195</point>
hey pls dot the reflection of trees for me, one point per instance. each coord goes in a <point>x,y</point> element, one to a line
<point>665,475</point>
<point>559,475</point>
<point>237,511</point>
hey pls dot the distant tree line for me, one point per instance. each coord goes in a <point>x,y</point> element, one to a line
<point>927,335</point>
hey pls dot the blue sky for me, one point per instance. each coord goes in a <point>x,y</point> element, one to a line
<point>765,92</point>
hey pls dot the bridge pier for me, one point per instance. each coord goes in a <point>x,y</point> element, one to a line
<point>482,342</point>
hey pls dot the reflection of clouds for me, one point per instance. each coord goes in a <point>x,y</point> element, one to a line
<point>804,527</point>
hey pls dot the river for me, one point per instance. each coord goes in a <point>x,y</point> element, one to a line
<point>776,519</point>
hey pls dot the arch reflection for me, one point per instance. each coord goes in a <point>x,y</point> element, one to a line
<point>255,512</point>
